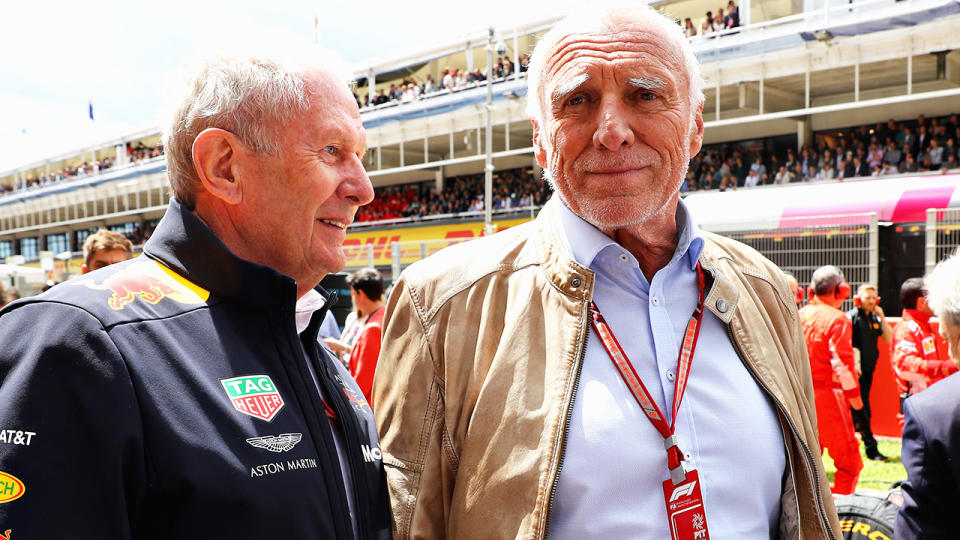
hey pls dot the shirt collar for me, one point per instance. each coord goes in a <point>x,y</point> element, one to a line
<point>585,241</point>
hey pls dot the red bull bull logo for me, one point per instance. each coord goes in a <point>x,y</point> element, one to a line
<point>149,281</point>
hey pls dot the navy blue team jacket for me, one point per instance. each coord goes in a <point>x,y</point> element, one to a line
<point>169,397</point>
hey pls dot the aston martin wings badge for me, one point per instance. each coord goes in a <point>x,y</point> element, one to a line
<point>276,443</point>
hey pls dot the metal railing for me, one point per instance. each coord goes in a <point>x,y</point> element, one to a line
<point>943,235</point>
<point>800,245</point>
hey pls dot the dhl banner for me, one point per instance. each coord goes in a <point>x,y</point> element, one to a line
<point>411,239</point>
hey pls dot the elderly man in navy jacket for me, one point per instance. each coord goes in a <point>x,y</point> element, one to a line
<point>174,395</point>
<point>931,434</point>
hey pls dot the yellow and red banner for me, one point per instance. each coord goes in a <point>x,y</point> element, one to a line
<point>413,240</point>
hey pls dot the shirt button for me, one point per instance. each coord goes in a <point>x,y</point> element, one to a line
<point>575,282</point>
<point>670,375</point>
<point>624,258</point>
<point>687,456</point>
<point>655,300</point>
<point>722,305</point>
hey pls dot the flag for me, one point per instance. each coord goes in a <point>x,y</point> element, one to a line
<point>90,109</point>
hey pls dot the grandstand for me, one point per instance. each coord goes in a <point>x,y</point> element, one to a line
<point>793,75</point>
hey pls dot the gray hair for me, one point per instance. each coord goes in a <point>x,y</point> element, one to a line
<point>826,279</point>
<point>251,96</point>
<point>943,289</point>
<point>598,19</point>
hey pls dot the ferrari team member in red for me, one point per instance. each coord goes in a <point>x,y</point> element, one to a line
<point>366,290</point>
<point>828,333</point>
<point>917,360</point>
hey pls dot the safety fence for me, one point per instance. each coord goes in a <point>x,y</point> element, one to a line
<point>943,235</point>
<point>800,245</point>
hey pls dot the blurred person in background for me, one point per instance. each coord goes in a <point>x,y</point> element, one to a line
<point>931,433</point>
<point>366,290</point>
<point>917,361</point>
<point>828,334</point>
<point>104,248</point>
<point>869,325</point>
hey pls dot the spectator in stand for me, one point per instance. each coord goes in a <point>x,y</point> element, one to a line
<point>732,18</point>
<point>783,176</point>
<point>760,169</point>
<point>689,29</point>
<point>104,248</point>
<point>935,153</point>
<point>931,432</point>
<point>910,165</point>
<point>950,163</point>
<point>917,362</point>
<point>827,172</point>
<point>887,169</point>
<point>366,291</point>
<point>874,156</point>
<point>892,155</point>
<point>752,179</point>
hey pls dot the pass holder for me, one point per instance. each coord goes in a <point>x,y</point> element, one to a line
<point>685,513</point>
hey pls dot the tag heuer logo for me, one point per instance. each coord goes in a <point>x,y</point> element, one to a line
<point>278,443</point>
<point>254,395</point>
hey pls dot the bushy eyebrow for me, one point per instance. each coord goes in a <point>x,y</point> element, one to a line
<point>568,88</point>
<point>647,83</point>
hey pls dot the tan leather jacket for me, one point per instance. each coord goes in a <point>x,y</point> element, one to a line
<point>481,357</point>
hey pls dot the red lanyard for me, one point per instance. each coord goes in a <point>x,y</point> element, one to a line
<point>640,392</point>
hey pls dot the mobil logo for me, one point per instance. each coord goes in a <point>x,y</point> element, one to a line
<point>254,395</point>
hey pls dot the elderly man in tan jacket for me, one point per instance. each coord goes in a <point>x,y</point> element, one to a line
<point>607,370</point>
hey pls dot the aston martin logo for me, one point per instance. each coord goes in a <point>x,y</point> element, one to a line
<point>278,443</point>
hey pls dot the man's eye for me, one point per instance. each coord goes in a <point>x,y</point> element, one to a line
<point>647,96</point>
<point>576,100</point>
<point>332,150</point>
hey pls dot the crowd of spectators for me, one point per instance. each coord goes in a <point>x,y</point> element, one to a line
<point>514,188</point>
<point>450,79</point>
<point>140,152</point>
<point>922,145</point>
<point>725,19</point>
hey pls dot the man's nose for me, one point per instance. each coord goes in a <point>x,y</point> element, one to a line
<point>355,185</point>
<point>614,129</point>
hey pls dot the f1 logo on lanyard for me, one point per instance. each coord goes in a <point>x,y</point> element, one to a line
<point>681,492</point>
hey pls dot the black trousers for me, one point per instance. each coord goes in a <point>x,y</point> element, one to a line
<point>861,418</point>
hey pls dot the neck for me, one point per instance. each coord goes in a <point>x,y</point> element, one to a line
<point>652,242</point>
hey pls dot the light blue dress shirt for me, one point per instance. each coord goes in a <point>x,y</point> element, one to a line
<point>610,484</point>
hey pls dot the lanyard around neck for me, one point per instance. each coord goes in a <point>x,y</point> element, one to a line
<point>636,386</point>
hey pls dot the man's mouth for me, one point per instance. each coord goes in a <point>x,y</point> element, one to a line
<point>337,224</point>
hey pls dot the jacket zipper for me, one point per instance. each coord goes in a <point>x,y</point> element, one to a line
<point>566,430</point>
<point>351,440</point>
<point>793,429</point>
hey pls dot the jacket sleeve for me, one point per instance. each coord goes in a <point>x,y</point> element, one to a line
<point>925,513</point>
<point>73,437</point>
<point>408,392</point>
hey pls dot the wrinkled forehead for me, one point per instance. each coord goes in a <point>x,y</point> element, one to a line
<point>631,46</point>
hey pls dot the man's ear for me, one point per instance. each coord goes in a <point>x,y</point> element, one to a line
<point>217,157</point>
<point>539,150</point>
<point>696,138</point>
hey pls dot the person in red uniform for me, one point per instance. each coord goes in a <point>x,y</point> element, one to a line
<point>917,361</point>
<point>366,290</point>
<point>828,333</point>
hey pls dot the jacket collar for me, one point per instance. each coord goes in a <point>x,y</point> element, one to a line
<point>576,280</point>
<point>184,243</point>
<point>921,318</point>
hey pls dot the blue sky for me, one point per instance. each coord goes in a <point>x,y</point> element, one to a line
<point>58,55</point>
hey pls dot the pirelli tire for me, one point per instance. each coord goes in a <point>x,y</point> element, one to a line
<point>868,517</point>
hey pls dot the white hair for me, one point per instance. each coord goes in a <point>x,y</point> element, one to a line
<point>943,289</point>
<point>251,95</point>
<point>598,19</point>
